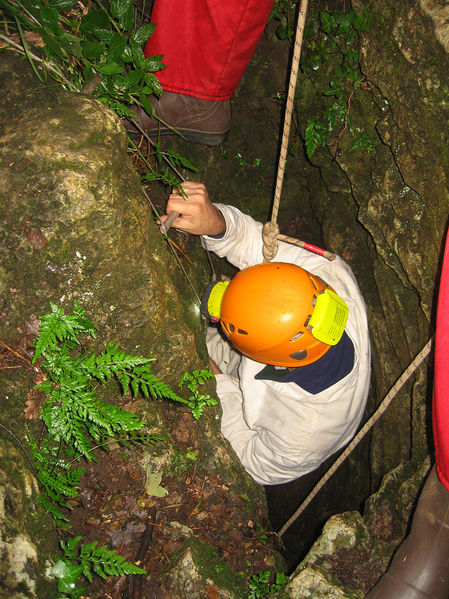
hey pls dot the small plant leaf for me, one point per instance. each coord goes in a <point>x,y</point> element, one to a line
<point>153,486</point>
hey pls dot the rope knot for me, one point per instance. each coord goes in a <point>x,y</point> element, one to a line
<point>270,232</point>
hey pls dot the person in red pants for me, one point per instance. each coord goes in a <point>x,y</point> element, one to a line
<point>420,567</point>
<point>206,47</point>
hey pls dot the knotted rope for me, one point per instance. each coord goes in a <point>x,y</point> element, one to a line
<point>270,232</point>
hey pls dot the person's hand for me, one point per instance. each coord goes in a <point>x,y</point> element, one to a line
<point>198,215</point>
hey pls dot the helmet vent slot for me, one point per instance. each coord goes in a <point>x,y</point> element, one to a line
<point>297,336</point>
<point>299,355</point>
<point>231,327</point>
<point>242,332</point>
<point>314,300</point>
<point>307,320</point>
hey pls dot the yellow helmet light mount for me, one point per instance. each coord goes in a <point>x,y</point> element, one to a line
<point>212,299</point>
<point>329,317</point>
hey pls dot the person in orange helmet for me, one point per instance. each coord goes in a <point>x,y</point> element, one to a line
<point>290,349</point>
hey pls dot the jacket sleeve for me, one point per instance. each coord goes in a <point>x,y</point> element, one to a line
<point>241,243</point>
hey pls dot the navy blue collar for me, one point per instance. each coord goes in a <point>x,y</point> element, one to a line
<point>336,363</point>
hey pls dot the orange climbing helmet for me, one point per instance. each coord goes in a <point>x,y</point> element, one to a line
<point>277,313</point>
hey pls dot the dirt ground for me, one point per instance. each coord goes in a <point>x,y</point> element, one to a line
<point>115,510</point>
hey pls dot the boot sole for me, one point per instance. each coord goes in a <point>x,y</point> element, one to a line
<point>197,137</point>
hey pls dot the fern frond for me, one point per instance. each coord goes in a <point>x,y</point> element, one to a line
<point>57,485</point>
<point>51,508</point>
<point>118,419</point>
<point>109,363</point>
<point>72,412</point>
<point>58,364</point>
<point>93,559</point>
<point>62,425</point>
<point>315,134</point>
<point>105,562</point>
<point>57,326</point>
<point>87,326</point>
<point>69,547</point>
<point>57,482</point>
<point>148,384</point>
<point>79,439</point>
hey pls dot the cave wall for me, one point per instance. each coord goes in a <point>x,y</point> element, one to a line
<point>385,210</point>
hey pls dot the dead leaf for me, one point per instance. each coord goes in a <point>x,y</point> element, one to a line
<point>212,591</point>
<point>33,404</point>
<point>35,237</point>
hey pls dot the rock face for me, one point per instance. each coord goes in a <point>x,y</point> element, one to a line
<point>18,494</point>
<point>76,226</point>
<point>397,199</point>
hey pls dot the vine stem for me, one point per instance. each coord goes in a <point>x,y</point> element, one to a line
<point>16,354</point>
<point>345,124</point>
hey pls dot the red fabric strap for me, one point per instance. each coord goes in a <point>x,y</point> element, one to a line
<point>441,376</point>
<point>207,44</point>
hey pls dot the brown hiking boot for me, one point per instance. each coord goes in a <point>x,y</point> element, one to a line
<point>420,567</point>
<point>200,121</point>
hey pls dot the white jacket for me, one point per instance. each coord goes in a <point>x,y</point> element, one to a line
<point>278,430</point>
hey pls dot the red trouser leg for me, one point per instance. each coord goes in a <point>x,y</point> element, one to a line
<point>207,44</point>
<point>441,376</point>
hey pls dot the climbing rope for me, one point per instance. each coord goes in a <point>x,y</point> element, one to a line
<point>363,431</point>
<point>270,231</point>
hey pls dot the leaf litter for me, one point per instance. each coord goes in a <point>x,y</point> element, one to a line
<point>148,516</point>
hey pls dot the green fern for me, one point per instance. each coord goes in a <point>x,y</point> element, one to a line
<point>57,480</point>
<point>72,412</point>
<point>77,421</point>
<point>197,401</point>
<point>58,326</point>
<point>89,560</point>
<point>141,379</point>
<point>335,46</point>
<point>315,134</point>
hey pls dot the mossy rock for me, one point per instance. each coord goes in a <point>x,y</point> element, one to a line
<point>199,572</point>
